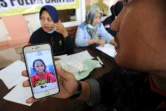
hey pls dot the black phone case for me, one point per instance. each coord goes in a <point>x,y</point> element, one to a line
<point>28,72</point>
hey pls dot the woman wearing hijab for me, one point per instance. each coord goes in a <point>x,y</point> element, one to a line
<point>92,30</point>
<point>52,31</point>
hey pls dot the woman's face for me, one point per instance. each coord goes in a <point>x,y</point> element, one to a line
<point>46,21</point>
<point>96,19</point>
<point>141,35</point>
<point>39,67</point>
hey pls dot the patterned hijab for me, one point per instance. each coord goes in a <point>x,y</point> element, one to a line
<point>91,14</point>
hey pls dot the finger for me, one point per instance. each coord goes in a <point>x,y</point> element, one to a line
<point>56,26</point>
<point>24,73</point>
<point>57,30</point>
<point>115,44</point>
<point>26,84</point>
<point>64,74</point>
<point>60,22</point>
<point>60,80</point>
<point>56,58</point>
<point>53,25</point>
<point>31,100</point>
<point>59,95</point>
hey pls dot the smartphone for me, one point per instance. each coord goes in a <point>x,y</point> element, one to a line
<point>41,70</point>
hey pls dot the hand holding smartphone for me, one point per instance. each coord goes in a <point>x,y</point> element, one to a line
<point>41,70</point>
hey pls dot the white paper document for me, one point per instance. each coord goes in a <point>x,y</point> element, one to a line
<point>11,75</point>
<point>73,67</point>
<point>61,56</point>
<point>108,49</point>
<point>19,94</point>
<point>81,56</point>
<point>74,63</point>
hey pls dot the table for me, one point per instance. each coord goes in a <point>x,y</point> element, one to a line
<point>54,104</point>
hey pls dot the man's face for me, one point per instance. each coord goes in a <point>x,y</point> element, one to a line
<point>141,35</point>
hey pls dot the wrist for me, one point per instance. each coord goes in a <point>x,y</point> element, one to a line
<point>78,92</point>
<point>65,34</point>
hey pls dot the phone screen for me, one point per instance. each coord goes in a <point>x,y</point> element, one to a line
<point>41,70</point>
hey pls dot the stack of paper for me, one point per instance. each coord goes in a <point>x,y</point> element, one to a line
<point>11,76</point>
<point>77,64</point>
<point>19,94</point>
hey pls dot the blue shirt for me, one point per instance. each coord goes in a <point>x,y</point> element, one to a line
<point>82,36</point>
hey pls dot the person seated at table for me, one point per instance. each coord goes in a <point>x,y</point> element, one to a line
<point>115,10</point>
<point>138,82</point>
<point>42,76</point>
<point>52,31</point>
<point>92,30</point>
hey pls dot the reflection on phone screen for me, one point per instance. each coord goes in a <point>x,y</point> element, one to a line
<point>41,70</point>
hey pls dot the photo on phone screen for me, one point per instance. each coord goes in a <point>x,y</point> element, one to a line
<point>41,71</point>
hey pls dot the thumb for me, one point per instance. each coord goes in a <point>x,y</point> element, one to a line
<point>64,74</point>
